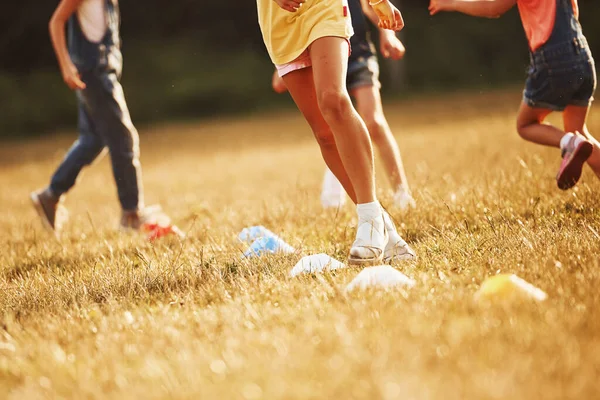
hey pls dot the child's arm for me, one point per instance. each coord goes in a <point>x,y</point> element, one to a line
<point>369,12</point>
<point>388,16</point>
<point>57,34</point>
<point>476,8</point>
<point>390,45</point>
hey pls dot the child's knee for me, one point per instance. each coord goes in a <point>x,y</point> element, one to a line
<point>92,146</point>
<point>334,104</point>
<point>522,128</point>
<point>376,125</point>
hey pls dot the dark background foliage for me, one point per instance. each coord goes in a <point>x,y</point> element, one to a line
<point>190,59</point>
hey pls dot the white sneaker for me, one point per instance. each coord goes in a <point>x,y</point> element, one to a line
<point>397,249</point>
<point>333,194</point>
<point>371,241</point>
<point>403,199</point>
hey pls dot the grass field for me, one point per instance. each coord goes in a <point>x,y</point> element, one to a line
<point>106,316</point>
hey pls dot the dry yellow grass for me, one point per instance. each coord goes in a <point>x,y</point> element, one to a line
<point>101,315</point>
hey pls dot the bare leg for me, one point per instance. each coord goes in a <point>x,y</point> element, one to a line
<point>329,57</point>
<point>302,89</point>
<point>531,127</point>
<point>368,104</point>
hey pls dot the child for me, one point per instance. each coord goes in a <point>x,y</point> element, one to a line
<point>308,41</point>
<point>562,77</point>
<point>363,84</point>
<point>92,67</point>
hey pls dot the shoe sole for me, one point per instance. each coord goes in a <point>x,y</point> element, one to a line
<point>368,262</point>
<point>35,200</point>
<point>365,262</point>
<point>569,176</point>
<point>399,257</point>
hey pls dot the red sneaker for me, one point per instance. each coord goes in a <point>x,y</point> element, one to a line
<point>155,231</point>
<point>151,221</point>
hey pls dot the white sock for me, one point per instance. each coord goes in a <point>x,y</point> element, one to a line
<point>369,211</point>
<point>370,232</point>
<point>565,140</point>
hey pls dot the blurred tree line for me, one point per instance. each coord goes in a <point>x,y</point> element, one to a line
<point>191,59</point>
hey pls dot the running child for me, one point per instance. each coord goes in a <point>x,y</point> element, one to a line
<point>308,41</point>
<point>562,77</point>
<point>91,65</point>
<point>363,84</point>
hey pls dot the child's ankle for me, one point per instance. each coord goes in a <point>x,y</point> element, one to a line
<point>564,141</point>
<point>370,210</point>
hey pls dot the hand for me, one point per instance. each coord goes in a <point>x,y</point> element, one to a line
<point>290,5</point>
<point>435,6</point>
<point>278,84</point>
<point>389,16</point>
<point>71,76</point>
<point>391,46</point>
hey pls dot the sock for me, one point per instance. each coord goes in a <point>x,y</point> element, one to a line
<point>369,211</point>
<point>565,140</point>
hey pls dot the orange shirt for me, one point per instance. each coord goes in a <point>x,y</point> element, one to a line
<point>538,18</point>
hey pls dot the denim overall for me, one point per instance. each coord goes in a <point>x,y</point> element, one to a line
<point>562,71</point>
<point>104,120</point>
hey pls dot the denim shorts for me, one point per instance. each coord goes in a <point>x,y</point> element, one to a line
<point>561,75</point>
<point>364,71</point>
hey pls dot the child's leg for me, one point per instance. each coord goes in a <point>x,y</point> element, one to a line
<point>329,59</point>
<point>531,126</point>
<point>575,149</point>
<point>574,118</point>
<point>302,89</point>
<point>105,102</point>
<point>370,108</point>
<point>368,105</point>
<point>83,152</point>
<point>330,103</point>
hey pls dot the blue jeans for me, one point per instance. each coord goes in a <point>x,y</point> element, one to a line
<point>104,122</point>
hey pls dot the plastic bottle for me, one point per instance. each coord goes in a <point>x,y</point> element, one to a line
<point>268,245</point>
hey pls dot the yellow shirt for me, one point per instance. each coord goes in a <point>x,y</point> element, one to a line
<point>287,34</point>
